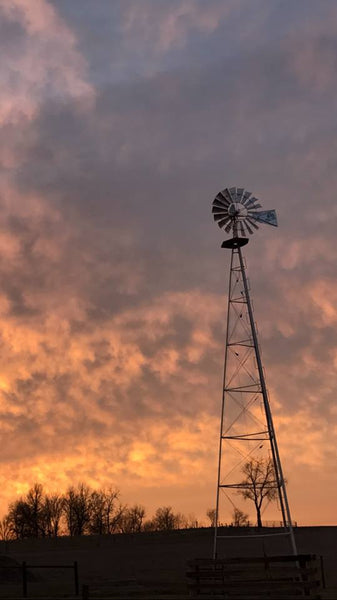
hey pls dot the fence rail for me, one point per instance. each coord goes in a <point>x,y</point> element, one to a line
<point>25,568</point>
<point>252,524</point>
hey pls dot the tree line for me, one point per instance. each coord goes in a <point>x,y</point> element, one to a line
<point>82,510</point>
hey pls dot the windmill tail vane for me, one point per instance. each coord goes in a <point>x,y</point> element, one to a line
<point>236,210</point>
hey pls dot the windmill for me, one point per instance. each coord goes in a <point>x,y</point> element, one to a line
<point>247,434</point>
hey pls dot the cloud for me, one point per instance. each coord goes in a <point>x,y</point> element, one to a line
<point>113,293</point>
<point>175,23</point>
<point>40,61</point>
<point>313,59</point>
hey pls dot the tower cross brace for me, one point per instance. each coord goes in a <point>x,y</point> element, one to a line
<point>246,427</point>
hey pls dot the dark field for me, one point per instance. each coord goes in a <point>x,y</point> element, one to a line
<point>147,564</point>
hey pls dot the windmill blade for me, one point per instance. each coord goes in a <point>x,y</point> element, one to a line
<point>219,213</point>
<point>257,205</point>
<point>239,193</point>
<point>232,192</point>
<point>251,201</point>
<point>224,221</point>
<point>221,216</point>
<point>220,204</point>
<point>252,223</point>
<point>229,227</point>
<point>241,229</point>
<point>225,194</point>
<point>245,197</point>
<point>249,229</point>
<point>265,216</point>
<point>221,198</point>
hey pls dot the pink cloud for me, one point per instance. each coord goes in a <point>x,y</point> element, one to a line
<point>167,27</point>
<point>46,62</point>
<point>311,48</point>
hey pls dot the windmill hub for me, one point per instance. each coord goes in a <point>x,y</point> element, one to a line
<point>237,210</point>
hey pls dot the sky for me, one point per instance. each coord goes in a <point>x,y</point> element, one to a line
<point>120,120</point>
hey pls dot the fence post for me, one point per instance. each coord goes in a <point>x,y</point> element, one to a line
<point>24,579</point>
<point>77,590</point>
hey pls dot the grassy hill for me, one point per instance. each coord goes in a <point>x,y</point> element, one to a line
<point>148,563</point>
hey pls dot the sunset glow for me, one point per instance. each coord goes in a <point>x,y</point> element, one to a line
<point>119,123</point>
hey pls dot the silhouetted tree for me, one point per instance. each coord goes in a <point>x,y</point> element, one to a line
<point>19,519</point>
<point>106,512</point>
<point>114,510</point>
<point>53,508</point>
<point>132,519</point>
<point>5,529</point>
<point>165,519</point>
<point>97,523</point>
<point>259,484</point>
<point>186,521</point>
<point>35,503</point>
<point>240,519</point>
<point>26,515</point>
<point>77,509</point>
<point>211,513</point>
<point>149,525</point>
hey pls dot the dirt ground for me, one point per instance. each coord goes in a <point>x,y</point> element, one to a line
<point>148,563</point>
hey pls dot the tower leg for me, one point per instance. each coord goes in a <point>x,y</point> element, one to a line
<point>244,391</point>
<point>283,498</point>
<point>221,421</point>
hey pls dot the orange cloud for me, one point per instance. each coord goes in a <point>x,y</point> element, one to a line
<point>112,304</point>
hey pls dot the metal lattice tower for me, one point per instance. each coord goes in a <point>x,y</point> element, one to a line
<point>249,461</point>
